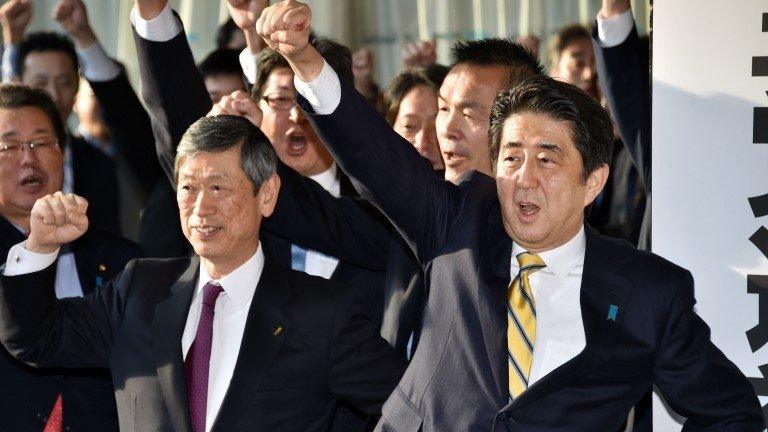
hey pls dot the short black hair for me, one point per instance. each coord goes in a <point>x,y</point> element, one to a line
<point>338,56</point>
<point>225,32</point>
<point>220,133</point>
<point>14,96</point>
<point>495,52</point>
<point>45,42</point>
<point>400,85</point>
<point>590,124</point>
<point>222,61</point>
<point>564,37</point>
<point>437,73</point>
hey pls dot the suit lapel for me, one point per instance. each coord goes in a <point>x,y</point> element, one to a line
<point>168,327</point>
<point>601,289</point>
<point>492,299</point>
<point>266,328</point>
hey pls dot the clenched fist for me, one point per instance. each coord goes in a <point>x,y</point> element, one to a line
<point>72,16</point>
<point>56,219</point>
<point>15,16</point>
<point>285,27</point>
<point>239,104</point>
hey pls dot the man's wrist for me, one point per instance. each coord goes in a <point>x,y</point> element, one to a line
<point>32,246</point>
<point>150,9</point>
<point>85,38</point>
<point>11,37</point>
<point>254,42</point>
<point>613,9</point>
<point>307,64</point>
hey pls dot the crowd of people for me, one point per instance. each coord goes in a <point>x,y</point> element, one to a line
<point>269,240</point>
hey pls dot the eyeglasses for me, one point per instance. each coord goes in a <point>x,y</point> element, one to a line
<point>15,148</point>
<point>280,103</point>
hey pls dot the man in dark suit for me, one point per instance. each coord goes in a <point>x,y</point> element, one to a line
<point>534,322</point>
<point>33,398</point>
<point>623,67</point>
<point>176,96</point>
<point>225,340</point>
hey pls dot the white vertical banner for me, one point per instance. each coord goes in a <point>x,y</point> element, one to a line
<point>710,169</point>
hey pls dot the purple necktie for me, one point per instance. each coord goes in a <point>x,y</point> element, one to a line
<point>198,359</point>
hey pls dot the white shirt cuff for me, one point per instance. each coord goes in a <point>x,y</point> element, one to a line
<point>249,62</point>
<point>21,261</point>
<point>96,64</point>
<point>614,31</point>
<point>161,28</point>
<point>10,57</point>
<point>324,92</point>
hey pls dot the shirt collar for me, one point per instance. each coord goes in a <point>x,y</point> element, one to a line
<point>329,180</point>
<point>560,260</point>
<point>240,284</point>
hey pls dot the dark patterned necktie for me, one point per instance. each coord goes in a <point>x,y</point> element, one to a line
<point>198,359</point>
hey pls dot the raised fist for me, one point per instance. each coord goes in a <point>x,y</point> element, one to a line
<point>285,27</point>
<point>15,16</point>
<point>245,12</point>
<point>420,53</point>
<point>73,18</point>
<point>56,219</point>
<point>239,104</point>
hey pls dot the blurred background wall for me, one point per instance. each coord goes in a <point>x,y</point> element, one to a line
<point>381,25</point>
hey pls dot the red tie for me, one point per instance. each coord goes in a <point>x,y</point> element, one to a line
<point>55,419</point>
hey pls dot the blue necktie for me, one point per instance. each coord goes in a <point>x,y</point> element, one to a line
<point>298,258</point>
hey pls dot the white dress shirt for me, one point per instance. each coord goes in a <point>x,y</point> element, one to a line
<point>230,315</point>
<point>557,295</point>
<point>162,28</point>
<point>21,261</point>
<point>613,31</point>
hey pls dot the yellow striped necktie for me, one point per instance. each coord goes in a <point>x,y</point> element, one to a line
<point>521,324</point>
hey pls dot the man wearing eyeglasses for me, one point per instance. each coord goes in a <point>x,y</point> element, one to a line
<point>32,135</point>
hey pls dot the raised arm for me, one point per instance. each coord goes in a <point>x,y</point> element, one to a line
<point>172,87</point>
<point>129,124</point>
<point>37,328</point>
<point>387,170</point>
<point>623,73</point>
<point>347,228</point>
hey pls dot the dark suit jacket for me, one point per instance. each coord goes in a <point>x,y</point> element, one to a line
<point>95,180</point>
<point>28,394</point>
<point>285,380</point>
<point>355,232</point>
<point>176,97</point>
<point>160,233</point>
<point>457,379</point>
<point>624,77</point>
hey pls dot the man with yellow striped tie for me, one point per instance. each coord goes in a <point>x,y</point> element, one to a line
<point>534,322</point>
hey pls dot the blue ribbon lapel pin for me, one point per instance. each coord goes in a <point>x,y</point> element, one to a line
<point>613,310</point>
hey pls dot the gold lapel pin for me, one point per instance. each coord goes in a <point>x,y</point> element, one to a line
<point>102,267</point>
<point>278,330</point>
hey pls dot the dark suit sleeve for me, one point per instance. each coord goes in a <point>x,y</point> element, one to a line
<point>308,215</point>
<point>173,90</point>
<point>623,73</point>
<point>388,171</point>
<point>130,127</point>
<point>365,369</point>
<point>696,378</point>
<point>42,331</point>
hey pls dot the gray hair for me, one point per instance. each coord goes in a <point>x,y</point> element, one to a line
<point>220,133</point>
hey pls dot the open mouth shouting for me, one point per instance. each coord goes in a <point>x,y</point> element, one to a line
<point>296,142</point>
<point>527,211</point>
<point>32,183</point>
